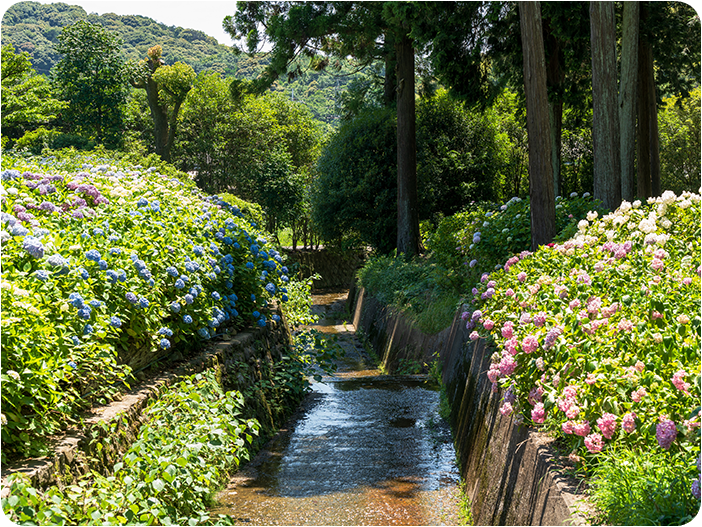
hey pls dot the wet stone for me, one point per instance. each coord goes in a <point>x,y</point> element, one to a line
<point>367,449</point>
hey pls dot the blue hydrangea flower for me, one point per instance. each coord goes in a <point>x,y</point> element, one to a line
<point>93,255</point>
<point>115,322</point>
<point>198,250</point>
<point>253,297</point>
<point>285,279</point>
<point>145,274</point>
<point>276,318</point>
<point>249,265</point>
<point>255,314</point>
<point>189,299</point>
<point>235,313</point>
<point>56,260</point>
<point>179,284</point>
<point>33,246</point>
<point>143,202</point>
<point>236,245</point>
<point>41,274</point>
<point>233,297</point>
<point>19,230</point>
<point>188,319</point>
<point>270,287</point>
<point>191,266</point>
<point>84,312</point>
<point>83,273</point>
<point>103,265</point>
<point>261,321</point>
<point>164,344</point>
<point>97,231</point>
<point>284,269</point>
<point>172,271</point>
<point>139,264</point>
<point>175,307</point>
<point>72,364</point>
<point>228,284</point>
<point>132,298</point>
<point>284,298</point>
<point>75,300</point>
<point>122,275</point>
<point>95,303</point>
<point>75,340</point>
<point>113,238</point>
<point>204,333</point>
<point>215,295</point>
<point>185,278</point>
<point>155,206</point>
<point>194,291</point>
<point>88,329</point>
<point>143,303</point>
<point>115,250</point>
<point>111,276</point>
<point>166,332</point>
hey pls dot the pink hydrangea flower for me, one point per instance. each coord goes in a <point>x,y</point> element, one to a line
<point>679,381</point>
<point>591,379</point>
<point>657,264</point>
<point>625,325</point>
<point>594,443</point>
<point>535,395</point>
<point>607,425</point>
<point>538,414</point>
<point>581,429</point>
<point>629,422</point>
<point>539,319</point>
<point>567,427</point>
<point>506,409</point>
<point>494,372</point>
<point>639,394</point>
<point>666,432</point>
<point>522,276</point>
<point>574,304</point>
<point>511,345</point>
<point>572,411</point>
<point>507,365</point>
<point>640,366</point>
<point>509,292</point>
<point>508,329</point>
<point>530,343</point>
<point>488,324</point>
<point>474,335</point>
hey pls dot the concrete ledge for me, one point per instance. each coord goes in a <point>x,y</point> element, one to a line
<point>512,473</point>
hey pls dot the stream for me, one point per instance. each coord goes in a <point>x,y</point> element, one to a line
<point>363,449</point>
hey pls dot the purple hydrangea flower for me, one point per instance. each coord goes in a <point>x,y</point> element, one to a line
<point>132,298</point>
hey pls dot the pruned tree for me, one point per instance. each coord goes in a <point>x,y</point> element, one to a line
<point>166,89</point>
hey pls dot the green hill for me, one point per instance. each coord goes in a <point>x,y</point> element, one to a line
<point>34,28</point>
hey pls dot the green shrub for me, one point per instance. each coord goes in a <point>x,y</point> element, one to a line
<point>193,439</point>
<point>41,139</point>
<point>102,258</point>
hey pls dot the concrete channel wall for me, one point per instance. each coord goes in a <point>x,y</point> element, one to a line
<point>512,473</point>
<point>239,361</point>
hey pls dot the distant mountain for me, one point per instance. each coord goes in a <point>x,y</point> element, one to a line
<point>34,28</point>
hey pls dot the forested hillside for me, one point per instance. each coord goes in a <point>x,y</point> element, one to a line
<point>34,28</point>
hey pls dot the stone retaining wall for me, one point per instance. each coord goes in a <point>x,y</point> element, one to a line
<point>239,362</point>
<point>512,473</point>
<point>336,268</point>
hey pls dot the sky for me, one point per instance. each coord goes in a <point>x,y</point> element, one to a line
<point>205,15</point>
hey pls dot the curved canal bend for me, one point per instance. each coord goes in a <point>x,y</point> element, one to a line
<point>365,449</point>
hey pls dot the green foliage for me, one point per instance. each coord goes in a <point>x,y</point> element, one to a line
<point>297,309</point>
<point>251,211</point>
<point>193,439</point>
<point>90,77</point>
<point>425,291</point>
<point>261,147</point>
<point>40,139</point>
<point>355,194</point>
<point>632,486</point>
<point>156,266</point>
<point>457,158</point>
<point>27,98</point>
<point>680,144</point>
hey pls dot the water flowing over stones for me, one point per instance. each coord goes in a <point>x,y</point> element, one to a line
<point>364,449</point>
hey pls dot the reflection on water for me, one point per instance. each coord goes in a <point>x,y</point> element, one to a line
<point>367,450</point>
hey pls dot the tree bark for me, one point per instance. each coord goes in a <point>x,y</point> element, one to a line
<point>646,91</point>
<point>555,75</point>
<point>543,208</point>
<point>605,112</point>
<point>627,96</point>
<point>390,80</point>
<point>407,210</point>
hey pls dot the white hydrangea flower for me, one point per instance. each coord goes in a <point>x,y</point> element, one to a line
<point>647,226</point>
<point>592,215</point>
<point>625,206</point>
<point>583,224</point>
<point>636,204</point>
<point>668,197</point>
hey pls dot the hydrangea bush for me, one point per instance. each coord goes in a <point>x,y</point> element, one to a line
<point>484,236</point>
<point>100,258</point>
<point>598,338</point>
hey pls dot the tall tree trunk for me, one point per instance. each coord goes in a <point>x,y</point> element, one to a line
<point>390,81</point>
<point>159,117</point>
<point>407,210</point>
<point>543,205</point>
<point>555,75</point>
<point>643,157</point>
<point>627,96</point>
<point>605,112</point>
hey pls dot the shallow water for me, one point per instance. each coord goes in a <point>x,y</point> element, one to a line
<point>365,449</point>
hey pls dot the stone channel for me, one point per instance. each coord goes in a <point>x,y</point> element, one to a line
<point>363,449</point>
